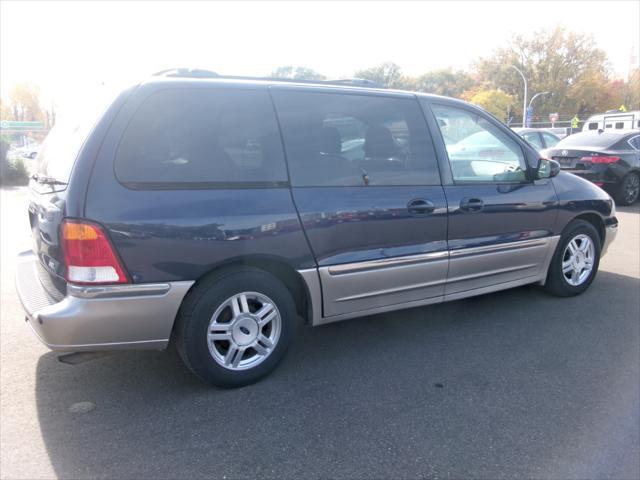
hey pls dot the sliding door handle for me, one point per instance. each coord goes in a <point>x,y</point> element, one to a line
<point>471,204</point>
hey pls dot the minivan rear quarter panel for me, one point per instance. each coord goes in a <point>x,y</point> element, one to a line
<point>180,233</point>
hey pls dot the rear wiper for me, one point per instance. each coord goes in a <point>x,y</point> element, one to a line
<point>43,179</point>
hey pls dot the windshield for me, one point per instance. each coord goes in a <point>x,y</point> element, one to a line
<point>589,139</point>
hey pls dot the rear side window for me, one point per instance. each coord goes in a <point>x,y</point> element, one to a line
<point>355,140</point>
<point>202,136</point>
<point>534,139</point>
<point>550,140</point>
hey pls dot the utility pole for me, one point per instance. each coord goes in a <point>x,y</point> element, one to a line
<point>524,103</point>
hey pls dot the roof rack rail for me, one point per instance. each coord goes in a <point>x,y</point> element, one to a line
<point>186,72</point>
<point>201,73</point>
<point>360,82</point>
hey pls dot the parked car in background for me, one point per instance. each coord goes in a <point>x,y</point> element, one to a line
<point>219,212</point>
<point>560,132</point>
<point>540,138</point>
<point>613,120</point>
<point>30,151</point>
<point>610,159</point>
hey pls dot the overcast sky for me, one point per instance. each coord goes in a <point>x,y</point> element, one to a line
<point>65,47</point>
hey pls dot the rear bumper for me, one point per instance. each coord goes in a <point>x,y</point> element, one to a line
<point>139,316</point>
<point>600,177</point>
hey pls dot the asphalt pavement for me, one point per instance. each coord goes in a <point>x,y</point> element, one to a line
<point>515,384</point>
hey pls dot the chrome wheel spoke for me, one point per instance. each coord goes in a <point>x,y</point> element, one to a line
<point>567,266</point>
<point>219,331</point>
<point>265,341</point>
<point>219,336</point>
<point>260,349</point>
<point>584,246</point>
<point>265,314</point>
<point>234,355</point>
<point>573,248</point>
<point>575,276</point>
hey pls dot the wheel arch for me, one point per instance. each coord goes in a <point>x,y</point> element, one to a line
<point>595,220</point>
<point>276,266</point>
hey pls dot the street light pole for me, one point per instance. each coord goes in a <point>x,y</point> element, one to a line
<point>536,96</point>
<point>524,103</point>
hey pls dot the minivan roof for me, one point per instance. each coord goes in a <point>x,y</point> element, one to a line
<point>171,78</point>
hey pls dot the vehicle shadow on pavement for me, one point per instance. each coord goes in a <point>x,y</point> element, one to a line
<point>635,208</point>
<point>497,385</point>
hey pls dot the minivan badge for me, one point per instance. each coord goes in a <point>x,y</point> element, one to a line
<point>564,153</point>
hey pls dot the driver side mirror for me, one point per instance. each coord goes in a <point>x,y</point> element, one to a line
<point>547,169</point>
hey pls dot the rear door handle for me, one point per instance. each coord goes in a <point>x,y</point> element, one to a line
<point>420,206</point>
<point>471,204</point>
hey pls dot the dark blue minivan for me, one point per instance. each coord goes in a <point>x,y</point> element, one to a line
<point>220,212</point>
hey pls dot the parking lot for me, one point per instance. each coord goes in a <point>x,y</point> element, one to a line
<point>515,384</point>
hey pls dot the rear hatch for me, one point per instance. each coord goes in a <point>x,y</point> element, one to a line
<point>48,189</point>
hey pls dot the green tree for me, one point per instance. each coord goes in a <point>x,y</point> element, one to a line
<point>298,73</point>
<point>387,74</point>
<point>495,102</point>
<point>444,82</point>
<point>555,61</point>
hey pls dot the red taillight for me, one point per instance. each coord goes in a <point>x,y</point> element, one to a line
<point>600,159</point>
<point>89,255</point>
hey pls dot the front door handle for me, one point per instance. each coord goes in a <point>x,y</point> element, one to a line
<point>420,206</point>
<point>471,204</point>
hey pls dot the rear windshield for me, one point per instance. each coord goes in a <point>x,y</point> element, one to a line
<point>589,139</point>
<point>63,143</point>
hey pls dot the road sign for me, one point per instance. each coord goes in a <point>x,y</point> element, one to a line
<point>14,125</point>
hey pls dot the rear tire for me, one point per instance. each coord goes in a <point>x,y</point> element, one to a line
<point>629,189</point>
<point>575,262</point>
<point>234,327</point>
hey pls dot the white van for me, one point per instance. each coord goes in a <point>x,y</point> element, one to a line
<point>613,120</point>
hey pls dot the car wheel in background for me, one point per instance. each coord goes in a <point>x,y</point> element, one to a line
<point>629,189</point>
<point>575,261</point>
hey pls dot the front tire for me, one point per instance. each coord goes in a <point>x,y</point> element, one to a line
<point>235,327</point>
<point>575,262</point>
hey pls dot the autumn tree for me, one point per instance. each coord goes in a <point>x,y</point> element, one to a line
<point>632,91</point>
<point>444,82</point>
<point>496,102</point>
<point>387,74</point>
<point>564,63</point>
<point>24,103</point>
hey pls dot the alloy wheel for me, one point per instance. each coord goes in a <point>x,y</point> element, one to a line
<point>244,331</point>
<point>578,259</point>
<point>631,188</point>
